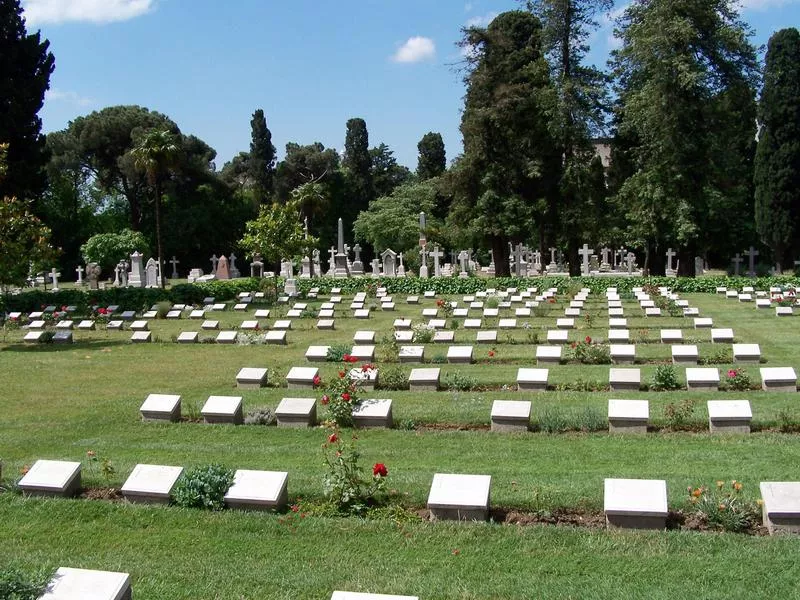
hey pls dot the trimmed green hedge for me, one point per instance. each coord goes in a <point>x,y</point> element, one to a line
<point>194,293</point>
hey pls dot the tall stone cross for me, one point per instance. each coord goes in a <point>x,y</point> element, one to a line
<point>553,255</point>
<point>585,253</point>
<point>463,257</point>
<point>175,262</point>
<point>332,260</point>
<point>751,272</point>
<point>518,260</point>
<point>54,276</point>
<point>437,255</point>
<point>214,261</point>
<point>670,256</point>
<point>604,254</point>
<point>736,260</point>
<point>79,271</point>
<point>423,262</point>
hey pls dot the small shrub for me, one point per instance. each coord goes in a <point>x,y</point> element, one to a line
<point>723,508</point>
<point>16,584</point>
<point>738,380</point>
<point>337,352</point>
<point>589,352</point>
<point>388,350</point>
<point>392,378</point>
<point>422,333</point>
<point>162,308</point>
<point>787,423</point>
<point>340,396</point>
<point>345,485</point>
<point>438,359</point>
<point>406,425</point>
<point>720,356</point>
<point>460,382</point>
<point>260,416</point>
<point>492,302</point>
<point>665,379</point>
<point>679,415</point>
<point>203,487</point>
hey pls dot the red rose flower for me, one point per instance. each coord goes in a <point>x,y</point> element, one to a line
<point>346,358</point>
<point>353,359</point>
<point>588,340</point>
<point>341,374</point>
<point>366,367</point>
<point>573,345</point>
<point>346,397</point>
<point>332,438</point>
<point>316,380</point>
<point>732,373</point>
<point>325,400</point>
<point>491,353</point>
<point>380,470</point>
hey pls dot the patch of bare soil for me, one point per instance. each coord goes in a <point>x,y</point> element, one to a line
<point>112,494</point>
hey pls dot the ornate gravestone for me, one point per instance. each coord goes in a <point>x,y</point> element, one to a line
<point>376,267</point>
<point>388,259</point>
<point>463,257</point>
<point>257,266</point>
<point>669,271</point>
<point>174,262</point>
<point>151,273</point>
<point>232,269</point>
<point>358,265</point>
<point>136,277</point>
<point>437,255</point>
<point>223,271</point>
<point>79,271</point>
<point>92,275</point>
<point>423,261</point>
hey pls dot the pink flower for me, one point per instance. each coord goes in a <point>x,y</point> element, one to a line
<point>732,373</point>
<point>325,400</point>
<point>346,397</point>
<point>316,380</point>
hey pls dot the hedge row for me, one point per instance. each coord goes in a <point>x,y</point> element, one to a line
<point>140,299</point>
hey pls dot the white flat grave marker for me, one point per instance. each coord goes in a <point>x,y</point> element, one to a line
<point>282,324</point>
<point>622,353</point>
<point>150,484</point>
<point>188,337</point>
<point>565,323</point>
<point>746,353</point>
<point>557,336</point>
<point>140,326</point>
<point>361,313</point>
<point>52,478</point>
<point>784,311</point>
<point>703,322</point>
<point>624,379</point>
<point>635,503</point>
<point>276,337</point>
<point>510,415</point>
<point>628,416</point>
<point>424,380</point>
<point>249,325</point>
<point>317,353</point>
<point>437,323</point>
<point>296,412</point>
<point>778,379</point>
<point>670,336</point>
<point>459,354</point>
<point>652,312</point>
<point>721,336</point>
<point>257,490</point>
<point>459,497</point>
<point>473,323</point>
<point>486,337</point>
<point>140,337</point>
<point>702,379</point>
<point>301,377</point>
<point>619,335</point>
<point>210,324</point>
<point>373,413</point>
<point>364,337</point>
<point>161,407</point>
<point>251,378</point>
<point>548,354</point>
<point>34,337</point>
<point>404,336</point>
<point>532,379</point>
<point>443,337</point>
<point>363,353</point>
<point>223,409</point>
<point>85,584</point>
<point>411,354</point>
<point>197,314</point>
<point>781,510</point>
<point>729,416</point>
<point>326,324</point>
<point>226,337</point>
<point>684,355</point>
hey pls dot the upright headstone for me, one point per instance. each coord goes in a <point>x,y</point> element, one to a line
<point>630,262</point>
<point>751,254</point>
<point>117,271</point>
<point>401,269</point>
<point>305,267</point>
<point>214,262</point>
<point>437,255</point>
<point>315,262</point>
<point>389,258</point>
<point>174,262</point>
<point>223,271</point>
<point>54,277</point>
<point>79,271</point>
<point>699,266</point>
<point>358,265</point>
<point>537,262</point>
<point>520,267</point>
<point>463,257</point>
<point>585,253</point>
<point>552,266</point>
<point>605,252</point>
<point>151,273</point>
<point>123,273</point>
<point>136,276</point>
<point>332,262</point>
<point>93,275</point>
<point>423,262</point>
<point>232,269</point>
<point>376,267</point>
<point>669,271</point>
<point>257,266</point>
<point>736,260</point>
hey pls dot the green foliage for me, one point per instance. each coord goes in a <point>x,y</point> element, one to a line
<point>432,159</point>
<point>277,233</point>
<point>26,65</point>
<point>392,378</point>
<point>665,379</point>
<point>458,381</point>
<point>23,240</point>
<point>777,161</point>
<point>723,508</point>
<point>337,352</point>
<point>680,414</point>
<point>340,397</point>
<point>737,380</point>
<point>260,416</point>
<point>345,485</point>
<point>589,352</point>
<point>16,584</point>
<point>385,172</point>
<point>554,419</point>
<point>108,249</point>
<point>261,161</point>
<point>203,487</point>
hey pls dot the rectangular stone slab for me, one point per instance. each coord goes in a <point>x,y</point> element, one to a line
<point>317,353</point>
<point>702,378</point>
<point>459,354</point>
<point>459,497</point>
<point>85,584</point>
<point>226,337</point>
<point>746,353</point>
<point>251,378</point>
<point>622,353</point>
<point>296,412</point>
<point>729,416</point>
<point>548,354</point>
<point>684,355</point>
<point>52,478</point>
<point>781,510</point>
<point>161,407</point>
<point>258,490</point>
<point>301,377</point>
<point>510,415</point>
<point>532,379</point>
<point>223,409</point>
<point>150,484</point>
<point>778,379</point>
<point>424,380</point>
<point>628,416</point>
<point>373,412</point>
<point>635,503</point>
<point>624,379</point>
<point>411,354</point>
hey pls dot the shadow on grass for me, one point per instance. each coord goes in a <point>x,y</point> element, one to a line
<point>90,345</point>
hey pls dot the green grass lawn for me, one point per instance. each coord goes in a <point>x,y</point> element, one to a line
<point>59,402</point>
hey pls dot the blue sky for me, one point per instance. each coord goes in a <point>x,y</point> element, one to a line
<point>310,64</point>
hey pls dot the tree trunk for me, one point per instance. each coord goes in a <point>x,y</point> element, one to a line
<point>500,253</point>
<point>158,231</point>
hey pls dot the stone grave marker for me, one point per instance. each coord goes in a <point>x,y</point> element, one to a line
<point>226,337</point>
<point>411,354</point>
<point>746,353</point>
<point>729,416</point>
<point>459,354</point>
<point>141,337</point>
<point>510,415</point>
<point>424,380</point>
<point>161,407</point>
<point>622,353</point>
<point>150,484</point>
<point>778,379</point>
<point>702,379</point>
<point>781,509</point>
<point>684,355</point>
<point>223,409</point>
<point>459,497</point>
<point>296,412</point>
<point>339,595</point>
<point>52,478</point>
<point>317,353</point>
<point>373,413</point>
<point>548,354</point>
<point>86,584</point>
<point>628,416</point>
<point>302,377</point>
<point>258,490</point>
<point>624,379</point>
<point>532,380</point>
<point>635,503</point>
<point>210,325</point>
<point>251,378</point>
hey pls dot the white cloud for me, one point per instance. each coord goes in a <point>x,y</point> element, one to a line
<point>57,95</point>
<point>416,49</point>
<point>758,5</point>
<point>481,21</point>
<point>93,11</point>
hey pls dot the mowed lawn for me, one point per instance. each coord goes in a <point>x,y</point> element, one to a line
<point>60,402</point>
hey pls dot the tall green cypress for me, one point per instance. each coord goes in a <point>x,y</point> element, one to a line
<point>777,163</point>
<point>261,164</point>
<point>25,69</point>
<point>357,163</point>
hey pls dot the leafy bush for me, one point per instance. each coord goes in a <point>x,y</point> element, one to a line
<point>162,308</point>
<point>665,379</point>
<point>345,485</point>
<point>720,356</point>
<point>460,382</point>
<point>337,352</point>
<point>422,333</point>
<point>203,487</point>
<point>679,415</point>
<point>107,249</point>
<point>341,396</point>
<point>738,380</point>
<point>589,352</point>
<point>16,584</point>
<point>723,508</point>
<point>260,416</point>
<point>392,378</point>
<point>492,302</point>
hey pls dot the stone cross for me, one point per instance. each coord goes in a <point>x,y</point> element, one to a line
<point>736,260</point>
<point>357,252</point>
<point>604,253</point>
<point>214,261</point>
<point>463,257</point>
<point>54,276</point>
<point>79,271</point>
<point>123,275</point>
<point>585,253</point>
<point>332,261</point>
<point>175,262</point>
<point>752,256</point>
<point>552,255</point>
<point>423,262</point>
<point>630,260</point>
<point>670,256</point>
<point>376,267</point>
<point>233,270</point>
<point>518,262</point>
<point>117,269</point>
<point>436,255</point>
<point>401,270</point>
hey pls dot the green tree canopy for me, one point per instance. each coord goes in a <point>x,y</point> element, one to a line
<point>777,163</point>
<point>385,172</point>
<point>432,160</point>
<point>108,249</point>
<point>277,233</point>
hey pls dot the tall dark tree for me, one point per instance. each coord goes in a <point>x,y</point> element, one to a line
<point>25,69</point>
<point>432,159</point>
<point>777,164</point>
<point>582,92</point>
<point>386,173</point>
<point>509,167</point>
<point>261,163</point>
<point>357,164</point>
<point>680,63</point>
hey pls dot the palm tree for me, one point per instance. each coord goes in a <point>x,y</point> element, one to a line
<point>156,154</point>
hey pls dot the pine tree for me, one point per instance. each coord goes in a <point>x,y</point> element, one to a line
<point>777,163</point>
<point>25,69</point>
<point>261,163</point>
